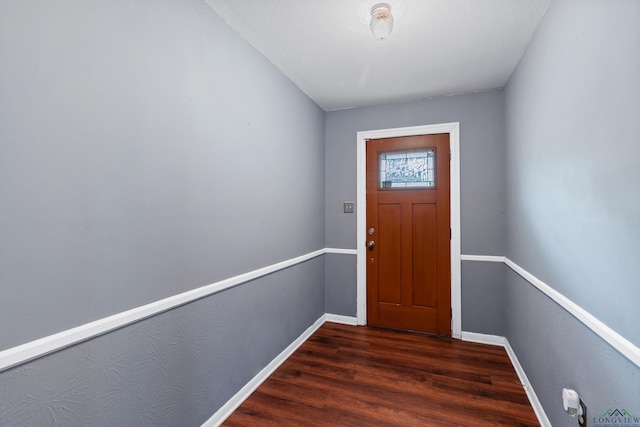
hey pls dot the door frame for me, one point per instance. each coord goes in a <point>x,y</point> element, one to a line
<point>453,129</point>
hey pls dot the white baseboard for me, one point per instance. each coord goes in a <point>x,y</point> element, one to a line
<point>531,394</point>
<point>483,338</point>
<point>503,342</point>
<point>237,399</point>
<point>232,404</point>
<point>345,320</point>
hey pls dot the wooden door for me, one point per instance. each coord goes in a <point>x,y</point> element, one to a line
<point>408,234</point>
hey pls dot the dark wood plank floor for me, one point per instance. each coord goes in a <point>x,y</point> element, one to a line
<point>359,376</point>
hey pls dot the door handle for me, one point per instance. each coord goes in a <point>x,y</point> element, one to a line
<point>371,244</point>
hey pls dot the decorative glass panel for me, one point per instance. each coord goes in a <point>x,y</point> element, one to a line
<point>408,169</point>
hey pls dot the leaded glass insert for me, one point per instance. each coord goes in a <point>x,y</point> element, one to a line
<point>408,169</point>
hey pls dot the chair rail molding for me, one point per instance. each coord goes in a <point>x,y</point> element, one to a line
<point>614,339</point>
<point>32,350</point>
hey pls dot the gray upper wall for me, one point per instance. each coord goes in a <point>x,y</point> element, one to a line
<point>573,132</point>
<point>145,150</point>
<point>481,118</point>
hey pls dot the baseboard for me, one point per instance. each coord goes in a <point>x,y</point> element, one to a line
<point>531,394</point>
<point>483,338</point>
<point>232,404</point>
<point>345,320</point>
<point>503,342</point>
<point>237,399</point>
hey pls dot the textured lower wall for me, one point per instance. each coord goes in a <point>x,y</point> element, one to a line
<point>174,369</point>
<point>482,291</point>
<point>341,286</point>
<point>556,351</point>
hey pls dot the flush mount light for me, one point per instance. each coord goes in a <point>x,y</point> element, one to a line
<point>381,21</point>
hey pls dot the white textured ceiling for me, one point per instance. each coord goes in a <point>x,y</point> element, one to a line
<point>438,47</point>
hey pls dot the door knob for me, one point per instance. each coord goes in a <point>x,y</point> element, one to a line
<point>371,244</point>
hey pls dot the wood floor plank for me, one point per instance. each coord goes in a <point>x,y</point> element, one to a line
<point>358,376</point>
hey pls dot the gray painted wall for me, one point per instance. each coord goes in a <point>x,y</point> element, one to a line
<point>482,297</point>
<point>119,127</point>
<point>175,369</point>
<point>481,155</point>
<point>482,152</point>
<point>573,109</point>
<point>557,351</point>
<point>145,150</point>
<point>340,292</point>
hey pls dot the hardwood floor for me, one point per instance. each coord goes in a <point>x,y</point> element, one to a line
<point>359,376</point>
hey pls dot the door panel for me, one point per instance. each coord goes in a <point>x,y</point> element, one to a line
<point>399,317</point>
<point>424,252</point>
<point>389,250</point>
<point>408,224</point>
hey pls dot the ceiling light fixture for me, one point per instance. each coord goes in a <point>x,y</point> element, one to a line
<point>381,21</point>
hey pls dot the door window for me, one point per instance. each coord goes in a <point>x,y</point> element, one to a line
<point>407,169</point>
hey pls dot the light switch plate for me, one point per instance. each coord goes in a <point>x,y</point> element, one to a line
<point>348,207</point>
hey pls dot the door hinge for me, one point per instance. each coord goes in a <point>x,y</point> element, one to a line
<point>449,154</point>
<point>450,234</point>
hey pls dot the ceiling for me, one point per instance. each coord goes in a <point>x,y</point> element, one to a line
<point>438,47</point>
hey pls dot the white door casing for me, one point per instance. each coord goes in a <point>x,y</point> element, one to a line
<point>453,129</point>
